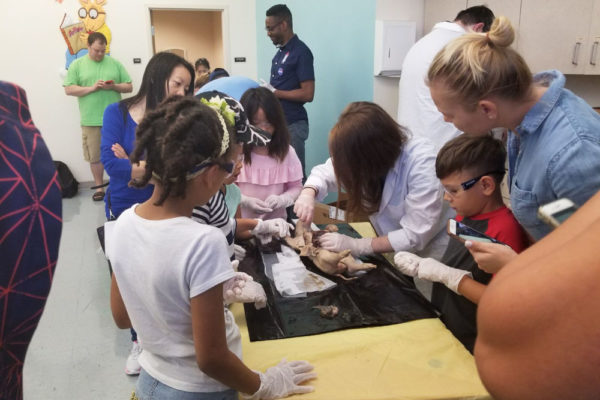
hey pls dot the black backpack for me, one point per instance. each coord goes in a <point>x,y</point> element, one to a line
<point>67,181</point>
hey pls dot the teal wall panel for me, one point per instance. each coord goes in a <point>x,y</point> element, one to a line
<point>340,34</point>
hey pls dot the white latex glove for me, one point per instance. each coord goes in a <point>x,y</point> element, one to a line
<point>272,227</point>
<point>234,287</point>
<point>239,252</point>
<point>337,242</point>
<point>252,292</point>
<point>304,206</point>
<point>279,201</point>
<point>407,263</point>
<point>255,205</point>
<point>430,269</point>
<point>266,85</point>
<point>283,380</point>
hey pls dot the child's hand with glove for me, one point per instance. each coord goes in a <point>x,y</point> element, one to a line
<point>265,230</point>
<point>429,269</point>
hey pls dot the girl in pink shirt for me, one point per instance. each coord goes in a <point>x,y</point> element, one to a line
<point>271,178</point>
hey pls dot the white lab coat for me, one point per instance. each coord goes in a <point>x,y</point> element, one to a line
<point>412,212</point>
<point>416,109</point>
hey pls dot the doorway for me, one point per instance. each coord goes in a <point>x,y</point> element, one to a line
<point>189,33</point>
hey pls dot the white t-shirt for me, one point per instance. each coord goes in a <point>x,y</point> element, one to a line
<point>416,109</point>
<point>159,266</point>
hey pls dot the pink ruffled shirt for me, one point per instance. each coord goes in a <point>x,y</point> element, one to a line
<point>267,176</point>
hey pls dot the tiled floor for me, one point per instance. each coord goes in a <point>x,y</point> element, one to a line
<point>77,352</point>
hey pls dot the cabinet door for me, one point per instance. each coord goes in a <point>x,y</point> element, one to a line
<point>441,10</point>
<point>592,61</point>
<point>511,9</point>
<point>553,34</point>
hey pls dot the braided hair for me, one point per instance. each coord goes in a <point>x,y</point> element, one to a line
<point>174,138</point>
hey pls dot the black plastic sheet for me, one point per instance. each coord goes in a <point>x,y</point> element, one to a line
<point>381,296</point>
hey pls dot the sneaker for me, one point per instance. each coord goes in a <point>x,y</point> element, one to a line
<point>132,366</point>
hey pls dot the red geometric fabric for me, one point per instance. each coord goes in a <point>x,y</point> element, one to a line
<point>30,228</point>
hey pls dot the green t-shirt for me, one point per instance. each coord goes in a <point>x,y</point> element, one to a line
<point>86,72</point>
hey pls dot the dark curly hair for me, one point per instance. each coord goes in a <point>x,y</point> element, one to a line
<point>178,135</point>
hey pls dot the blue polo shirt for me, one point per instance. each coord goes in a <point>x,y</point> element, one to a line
<point>292,64</point>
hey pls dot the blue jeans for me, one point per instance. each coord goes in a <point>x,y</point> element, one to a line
<point>299,134</point>
<point>148,388</point>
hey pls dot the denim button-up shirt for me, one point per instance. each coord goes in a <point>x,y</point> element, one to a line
<point>555,153</point>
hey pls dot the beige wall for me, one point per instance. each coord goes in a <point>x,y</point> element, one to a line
<point>198,33</point>
<point>385,89</point>
<point>36,61</point>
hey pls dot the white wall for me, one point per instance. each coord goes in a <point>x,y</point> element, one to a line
<point>385,89</point>
<point>33,56</point>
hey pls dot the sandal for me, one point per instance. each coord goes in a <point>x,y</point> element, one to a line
<point>98,196</point>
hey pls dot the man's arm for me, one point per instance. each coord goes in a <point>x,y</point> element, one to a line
<point>304,94</point>
<point>125,87</point>
<point>80,91</point>
<point>538,319</point>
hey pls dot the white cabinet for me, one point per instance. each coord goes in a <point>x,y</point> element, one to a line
<point>555,34</point>
<point>393,39</point>
<point>592,61</point>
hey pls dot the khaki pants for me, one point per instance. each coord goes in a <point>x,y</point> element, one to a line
<point>90,136</point>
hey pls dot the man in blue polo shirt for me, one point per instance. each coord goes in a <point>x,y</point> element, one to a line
<point>292,75</point>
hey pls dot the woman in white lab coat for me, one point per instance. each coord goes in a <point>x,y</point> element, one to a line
<point>387,175</point>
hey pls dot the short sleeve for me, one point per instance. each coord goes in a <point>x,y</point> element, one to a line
<point>209,263</point>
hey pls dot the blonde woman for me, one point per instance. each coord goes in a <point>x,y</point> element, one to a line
<point>478,82</point>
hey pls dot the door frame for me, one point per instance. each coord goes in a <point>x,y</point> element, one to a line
<point>224,9</point>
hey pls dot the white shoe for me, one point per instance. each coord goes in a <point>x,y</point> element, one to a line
<point>132,366</point>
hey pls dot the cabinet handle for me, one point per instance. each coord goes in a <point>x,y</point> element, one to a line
<point>575,53</point>
<point>593,53</point>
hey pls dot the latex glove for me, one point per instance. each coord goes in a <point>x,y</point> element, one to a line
<point>255,205</point>
<point>251,292</point>
<point>490,257</point>
<point>279,201</point>
<point>337,242</point>
<point>407,263</point>
<point>430,269</point>
<point>239,252</point>
<point>304,206</point>
<point>283,380</point>
<point>266,85</point>
<point>273,227</point>
<point>234,287</point>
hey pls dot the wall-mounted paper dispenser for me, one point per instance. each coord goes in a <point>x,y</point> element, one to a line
<point>393,39</point>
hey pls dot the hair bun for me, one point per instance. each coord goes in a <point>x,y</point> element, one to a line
<point>501,33</point>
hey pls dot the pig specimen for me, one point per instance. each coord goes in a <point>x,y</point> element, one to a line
<point>333,263</point>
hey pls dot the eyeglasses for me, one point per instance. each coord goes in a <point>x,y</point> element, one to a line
<point>466,185</point>
<point>272,28</point>
<point>93,13</point>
